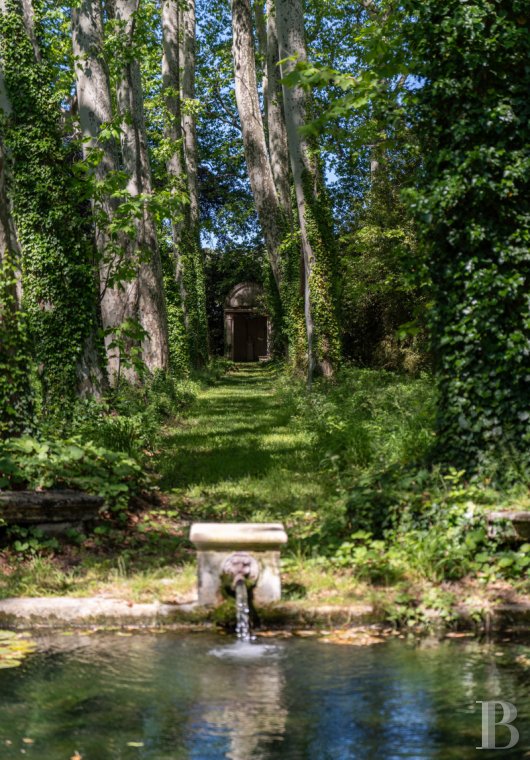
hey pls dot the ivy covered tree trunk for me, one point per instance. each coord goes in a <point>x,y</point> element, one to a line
<point>276,127</point>
<point>15,395</point>
<point>118,281</point>
<point>473,117</point>
<point>59,290</point>
<point>9,248</point>
<point>319,253</point>
<point>268,206</point>
<point>187,64</point>
<point>151,300</point>
<point>178,77</point>
<point>292,287</point>
<point>28,14</point>
<point>178,304</point>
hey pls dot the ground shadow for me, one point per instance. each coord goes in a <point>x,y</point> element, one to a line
<point>225,433</point>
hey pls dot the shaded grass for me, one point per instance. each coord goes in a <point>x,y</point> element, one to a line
<point>240,455</point>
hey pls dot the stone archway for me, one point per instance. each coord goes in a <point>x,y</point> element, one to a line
<point>247,327</point>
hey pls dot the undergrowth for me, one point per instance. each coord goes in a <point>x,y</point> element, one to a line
<point>348,468</point>
<point>106,445</point>
<point>393,513</point>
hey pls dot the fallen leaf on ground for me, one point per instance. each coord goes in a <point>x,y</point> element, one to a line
<point>352,637</point>
<point>306,634</point>
<point>456,635</point>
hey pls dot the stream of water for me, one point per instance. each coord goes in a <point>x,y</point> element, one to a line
<point>242,612</point>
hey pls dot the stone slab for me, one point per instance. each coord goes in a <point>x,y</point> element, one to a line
<point>60,612</point>
<point>238,535</point>
<point>520,525</point>
<point>38,508</point>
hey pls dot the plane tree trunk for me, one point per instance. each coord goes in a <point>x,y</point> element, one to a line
<point>178,78</point>
<point>271,215</point>
<point>319,254</point>
<point>118,280</point>
<point>152,314</point>
<point>14,376</point>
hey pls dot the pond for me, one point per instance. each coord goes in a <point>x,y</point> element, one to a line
<point>170,696</point>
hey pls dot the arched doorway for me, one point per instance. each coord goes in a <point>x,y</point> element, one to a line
<point>246,325</point>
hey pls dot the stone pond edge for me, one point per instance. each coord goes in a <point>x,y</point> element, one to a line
<point>89,612</point>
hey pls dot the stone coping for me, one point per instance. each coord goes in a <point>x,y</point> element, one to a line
<point>213,536</point>
<point>85,612</point>
<point>58,613</point>
<point>519,516</point>
<point>519,520</point>
<point>42,507</point>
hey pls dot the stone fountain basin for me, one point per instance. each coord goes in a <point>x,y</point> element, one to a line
<point>216,542</point>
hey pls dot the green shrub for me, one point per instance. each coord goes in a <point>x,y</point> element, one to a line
<point>435,533</point>
<point>130,418</point>
<point>28,463</point>
<point>368,558</point>
<point>394,514</point>
<point>370,417</point>
<point>217,367</point>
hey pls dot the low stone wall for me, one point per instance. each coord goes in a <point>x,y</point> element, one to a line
<point>56,613</point>
<point>69,612</point>
<point>512,527</point>
<point>52,511</point>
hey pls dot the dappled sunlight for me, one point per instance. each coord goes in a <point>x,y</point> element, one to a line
<point>240,453</point>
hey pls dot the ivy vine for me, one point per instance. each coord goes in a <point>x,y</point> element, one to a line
<point>52,223</point>
<point>473,115</point>
<point>15,393</point>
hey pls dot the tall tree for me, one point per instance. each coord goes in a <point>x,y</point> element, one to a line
<point>276,127</point>
<point>268,206</point>
<point>151,300</point>
<point>187,63</point>
<point>9,245</point>
<point>118,281</point>
<point>178,78</point>
<point>14,374</point>
<point>59,293</point>
<point>317,236</point>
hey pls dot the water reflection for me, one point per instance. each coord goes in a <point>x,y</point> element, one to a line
<point>242,697</point>
<point>168,698</point>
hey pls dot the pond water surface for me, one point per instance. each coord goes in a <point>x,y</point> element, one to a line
<point>168,696</point>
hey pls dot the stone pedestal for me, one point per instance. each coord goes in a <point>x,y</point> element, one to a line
<point>216,542</point>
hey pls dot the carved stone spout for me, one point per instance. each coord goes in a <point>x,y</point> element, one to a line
<point>240,566</point>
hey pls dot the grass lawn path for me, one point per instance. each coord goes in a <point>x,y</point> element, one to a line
<point>239,454</point>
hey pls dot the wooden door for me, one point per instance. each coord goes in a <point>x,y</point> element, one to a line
<point>250,337</point>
